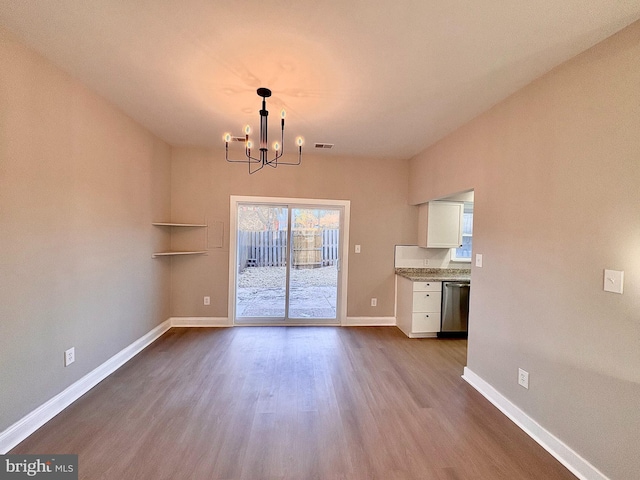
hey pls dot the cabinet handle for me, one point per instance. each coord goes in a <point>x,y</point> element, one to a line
<point>426,295</point>
<point>426,316</point>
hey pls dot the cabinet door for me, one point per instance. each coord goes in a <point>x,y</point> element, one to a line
<point>444,224</point>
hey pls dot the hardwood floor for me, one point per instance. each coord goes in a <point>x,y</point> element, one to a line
<point>293,403</point>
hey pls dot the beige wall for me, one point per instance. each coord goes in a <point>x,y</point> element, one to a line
<point>556,172</point>
<point>202,182</point>
<point>80,184</point>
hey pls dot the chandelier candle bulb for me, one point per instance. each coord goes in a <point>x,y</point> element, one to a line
<point>276,146</point>
<point>247,130</point>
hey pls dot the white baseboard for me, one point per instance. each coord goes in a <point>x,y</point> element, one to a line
<point>580,467</point>
<point>200,322</point>
<point>369,322</point>
<point>226,322</point>
<point>24,427</point>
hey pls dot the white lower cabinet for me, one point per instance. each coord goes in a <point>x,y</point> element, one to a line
<point>418,310</point>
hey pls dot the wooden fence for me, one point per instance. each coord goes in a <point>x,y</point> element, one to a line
<point>330,246</point>
<point>313,247</point>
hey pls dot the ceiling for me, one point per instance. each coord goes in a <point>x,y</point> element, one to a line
<point>377,78</point>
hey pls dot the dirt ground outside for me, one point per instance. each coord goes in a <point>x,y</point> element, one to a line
<point>313,292</point>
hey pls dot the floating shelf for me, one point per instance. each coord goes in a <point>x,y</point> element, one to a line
<point>168,254</point>
<point>173,252</point>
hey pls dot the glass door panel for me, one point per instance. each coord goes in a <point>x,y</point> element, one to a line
<point>262,259</point>
<point>313,282</point>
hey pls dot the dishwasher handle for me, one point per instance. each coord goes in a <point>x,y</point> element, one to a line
<point>460,285</point>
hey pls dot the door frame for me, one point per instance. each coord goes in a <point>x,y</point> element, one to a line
<point>343,274</point>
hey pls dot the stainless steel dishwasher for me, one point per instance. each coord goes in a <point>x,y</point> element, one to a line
<point>455,309</point>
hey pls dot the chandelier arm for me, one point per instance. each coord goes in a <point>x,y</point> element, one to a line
<point>294,163</point>
<point>274,160</point>
<point>251,159</point>
<point>281,141</point>
<point>251,172</point>
<point>230,160</point>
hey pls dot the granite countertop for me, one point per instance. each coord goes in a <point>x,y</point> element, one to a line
<point>435,274</point>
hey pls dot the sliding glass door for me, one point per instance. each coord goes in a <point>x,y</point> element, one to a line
<point>287,263</point>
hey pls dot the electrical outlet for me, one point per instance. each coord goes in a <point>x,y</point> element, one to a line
<point>374,302</point>
<point>523,378</point>
<point>425,262</point>
<point>69,356</point>
<point>207,300</point>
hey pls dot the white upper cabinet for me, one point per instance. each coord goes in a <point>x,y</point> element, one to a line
<point>440,224</point>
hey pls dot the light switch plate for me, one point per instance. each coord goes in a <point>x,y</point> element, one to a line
<point>357,249</point>
<point>613,281</point>
<point>478,260</point>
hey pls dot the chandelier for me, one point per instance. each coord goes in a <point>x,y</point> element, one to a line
<point>259,162</point>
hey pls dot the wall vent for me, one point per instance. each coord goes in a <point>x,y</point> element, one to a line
<point>324,145</point>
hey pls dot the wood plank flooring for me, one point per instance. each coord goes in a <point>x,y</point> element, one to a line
<point>293,403</point>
